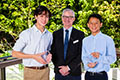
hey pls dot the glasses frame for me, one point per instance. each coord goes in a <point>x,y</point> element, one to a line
<point>69,17</point>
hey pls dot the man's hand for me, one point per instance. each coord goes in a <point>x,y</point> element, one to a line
<point>38,58</point>
<point>64,70</point>
<point>48,58</point>
<point>92,65</point>
<point>95,54</point>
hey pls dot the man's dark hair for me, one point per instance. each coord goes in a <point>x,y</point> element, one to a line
<point>40,9</point>
<point>95,16</point>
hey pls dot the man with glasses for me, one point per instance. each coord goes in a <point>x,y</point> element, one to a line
<point>66,49</point>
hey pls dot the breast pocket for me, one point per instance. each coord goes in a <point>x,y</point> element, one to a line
<point>74,47</point>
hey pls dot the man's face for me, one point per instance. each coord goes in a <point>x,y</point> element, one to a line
<point>42,19</point>
<point>94,25</point>
<point>68,19</point>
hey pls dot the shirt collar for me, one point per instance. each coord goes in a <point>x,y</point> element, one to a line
<point>97,35</point>
<point>37,30</point>
<point>70,29</point>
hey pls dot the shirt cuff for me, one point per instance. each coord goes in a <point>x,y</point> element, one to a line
<point>68,68</point>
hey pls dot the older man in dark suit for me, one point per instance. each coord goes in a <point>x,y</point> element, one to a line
<point>66,49</point>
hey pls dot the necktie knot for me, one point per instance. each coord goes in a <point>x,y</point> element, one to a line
<point>66,31</point>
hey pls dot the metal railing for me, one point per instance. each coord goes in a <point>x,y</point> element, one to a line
<point>7,62</point>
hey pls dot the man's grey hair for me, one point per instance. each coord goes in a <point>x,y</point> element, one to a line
<point>67,9</point>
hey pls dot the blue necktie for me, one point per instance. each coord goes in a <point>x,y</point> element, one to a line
<point>66,43</point>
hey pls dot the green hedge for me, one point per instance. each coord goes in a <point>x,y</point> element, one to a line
<point>17,15</point>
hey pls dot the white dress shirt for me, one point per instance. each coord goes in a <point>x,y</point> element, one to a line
<point>70,30</point>
<point>33,41</point>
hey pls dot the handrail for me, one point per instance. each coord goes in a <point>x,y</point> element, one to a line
<point>4,63</point>
<point>10,62</point>
<point>5,57</point>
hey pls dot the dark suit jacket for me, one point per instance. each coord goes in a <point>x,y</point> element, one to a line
<point>73,57</point>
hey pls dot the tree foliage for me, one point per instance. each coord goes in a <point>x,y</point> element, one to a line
<point>17,15</point>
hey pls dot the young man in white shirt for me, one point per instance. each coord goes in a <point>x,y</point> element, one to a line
<point>33,45</point>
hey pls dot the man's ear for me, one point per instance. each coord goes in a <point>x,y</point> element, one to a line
<point>35,17</point>
<point>88,25</point>
<point>74,19</point>
<point>101,24</point>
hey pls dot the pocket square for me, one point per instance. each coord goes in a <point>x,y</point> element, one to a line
<point>75,41</point>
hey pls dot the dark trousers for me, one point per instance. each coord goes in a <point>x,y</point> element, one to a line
<point>68,77</point>
<point>96,76</point>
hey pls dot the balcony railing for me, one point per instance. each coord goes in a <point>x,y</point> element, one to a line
<point>4,63</point>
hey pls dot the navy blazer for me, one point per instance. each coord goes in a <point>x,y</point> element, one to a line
<point>73,56</point>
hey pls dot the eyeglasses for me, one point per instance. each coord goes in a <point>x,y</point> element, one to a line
<point>70,17</point>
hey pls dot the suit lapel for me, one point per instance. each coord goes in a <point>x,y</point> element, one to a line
<point>72,36</point>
